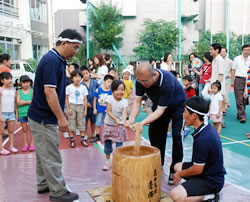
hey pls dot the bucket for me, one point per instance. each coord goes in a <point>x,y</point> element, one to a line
<point>136,178</point>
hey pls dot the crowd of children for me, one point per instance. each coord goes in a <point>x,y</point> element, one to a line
<point>95,94</point>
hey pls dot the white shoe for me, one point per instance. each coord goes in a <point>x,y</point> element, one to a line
<point>107,166</point>
<point>66,135</point>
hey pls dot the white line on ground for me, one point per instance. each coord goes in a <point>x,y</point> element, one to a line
<point>7,139</point>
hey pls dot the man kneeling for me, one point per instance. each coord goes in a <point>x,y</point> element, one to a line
<point>204,175</point>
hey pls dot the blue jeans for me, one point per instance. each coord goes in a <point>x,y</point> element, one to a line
<point>99,118</point>
<point>201,86</point>
<point>108,149</point>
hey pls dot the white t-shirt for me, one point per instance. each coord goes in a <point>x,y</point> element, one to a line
<point>215,103</point>
<point>8,100</point>
<point>165,66</point>
<point>103,70</point>
<point>241,66</point>
<point>218,65</point>
<point>116,109</point>
<point>76,94</point>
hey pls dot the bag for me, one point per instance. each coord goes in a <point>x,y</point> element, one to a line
<point>205,90</point>
<point>194,84</point>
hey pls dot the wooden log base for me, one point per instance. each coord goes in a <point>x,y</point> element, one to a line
<point>104,194</point>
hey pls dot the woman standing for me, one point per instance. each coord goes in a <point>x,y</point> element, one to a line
<point>205,72</point>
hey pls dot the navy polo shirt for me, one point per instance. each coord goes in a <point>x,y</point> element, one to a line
<point>166,92</point>
<point>50,72</point>
<point>207,151</point>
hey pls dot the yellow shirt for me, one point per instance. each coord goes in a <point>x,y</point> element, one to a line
<point>128,86</point>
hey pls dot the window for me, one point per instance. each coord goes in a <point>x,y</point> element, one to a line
<point>28,68</point>
<point>10,46</point>
<point>39,51</point>
<point>9,7</point>
<point>38,10</point>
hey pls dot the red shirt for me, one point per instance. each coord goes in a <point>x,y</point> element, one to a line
<point>4,69</point>
<point>190,92</point>
<point>206,73</point>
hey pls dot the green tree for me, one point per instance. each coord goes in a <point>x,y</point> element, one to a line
<point>106,27</point>
<point>156,38</point>
<point>203,44</point>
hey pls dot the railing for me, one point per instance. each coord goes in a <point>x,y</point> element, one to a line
<point>8,9</point>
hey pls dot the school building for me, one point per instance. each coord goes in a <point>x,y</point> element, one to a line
<point>26,28</point>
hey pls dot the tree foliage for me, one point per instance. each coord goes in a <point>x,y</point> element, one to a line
<point>156,38</point>
<point>204,43</point>
<point>106,27</point>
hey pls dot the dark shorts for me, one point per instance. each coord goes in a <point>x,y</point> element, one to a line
<point>23,119</point>
<point>90,116</point>
<point>197,186</point>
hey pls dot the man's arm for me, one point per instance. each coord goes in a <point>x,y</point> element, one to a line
<point>192,171</point>
<point>220,78</point>
<point>153,116</point>
<point>53,102</point>
<point>135,109</point>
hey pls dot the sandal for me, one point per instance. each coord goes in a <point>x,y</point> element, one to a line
<point>4,152</point>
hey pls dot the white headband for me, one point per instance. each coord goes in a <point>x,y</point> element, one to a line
<point>193,110</point>
<point>69,40</point>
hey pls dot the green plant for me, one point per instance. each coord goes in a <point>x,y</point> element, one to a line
<point>106,27</point>
<point>156,38</point>
<point>32,62</point>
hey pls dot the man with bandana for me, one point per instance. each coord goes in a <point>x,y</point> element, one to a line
<point>46,113</point>
<point>204,175</point>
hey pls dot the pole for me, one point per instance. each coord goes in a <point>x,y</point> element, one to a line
<point>179,26</point>
<point>211,13</point>
<point>228,27</point>
<point>87,35</point>
<point>244,22</point>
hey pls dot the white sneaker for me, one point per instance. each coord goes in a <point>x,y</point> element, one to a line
<point>66,135</point>
<point>107,166</point>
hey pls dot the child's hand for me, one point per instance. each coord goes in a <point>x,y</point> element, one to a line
<point>85,113</point>
<point>95,111</point>
<point>218,115</point>
<point>117,121</point>
<point>69,112</point>
<point>89,105</point>
<point>1,119</point>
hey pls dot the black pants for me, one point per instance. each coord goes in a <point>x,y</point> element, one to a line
<point>158,135</point>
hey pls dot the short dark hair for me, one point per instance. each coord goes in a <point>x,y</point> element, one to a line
<point>166,56</point>
<point>76,66</point>
<point>106,77</point>
<point>106,56</point>
<point>224,48</point>
<point>4,56</point>
<point>217,84</point>
<point>189,78</point>
<point>216,46</point>
<point>173,72</point>
<point>75,73</point>
<point>199,104</point>
<point>70,34</point>
<point>4,75</point>
<point>151,60</point>
<point>24,78</point>
<point>84,68</point>
<point>111,69</point>
<point>115,84</point>
<point>208,56</point>
<point>245,46</point>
